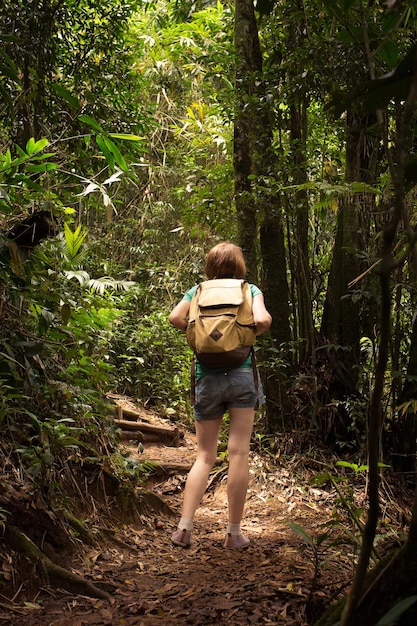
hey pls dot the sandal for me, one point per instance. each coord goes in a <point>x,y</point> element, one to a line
<point>181,537</point>
<point>236,542</point>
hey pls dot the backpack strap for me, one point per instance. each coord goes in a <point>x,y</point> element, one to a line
<point>192,381</point>
<point>255,377</point>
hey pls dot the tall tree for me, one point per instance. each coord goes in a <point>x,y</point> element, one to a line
<point>342,320</point>
<point>297,34</point>
<point>248,68</point>
<point>258,204</point>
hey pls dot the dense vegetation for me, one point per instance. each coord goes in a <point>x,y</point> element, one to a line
<point>133,137</point>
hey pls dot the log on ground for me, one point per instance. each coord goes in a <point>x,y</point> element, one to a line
<point>168,436</point>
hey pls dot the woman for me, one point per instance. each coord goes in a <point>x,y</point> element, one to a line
<point>218,391</point>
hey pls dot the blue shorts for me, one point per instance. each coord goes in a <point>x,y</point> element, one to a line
<point>215,393</point>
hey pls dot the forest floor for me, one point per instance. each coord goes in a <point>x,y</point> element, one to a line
<point>286,576</point>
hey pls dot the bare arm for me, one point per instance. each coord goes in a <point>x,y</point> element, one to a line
<point>261,316</point>
<point>179,314</point>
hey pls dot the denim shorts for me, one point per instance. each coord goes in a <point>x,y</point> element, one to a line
<point>216,393</point>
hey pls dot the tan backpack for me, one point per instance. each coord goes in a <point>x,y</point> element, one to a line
<point>221,329</point>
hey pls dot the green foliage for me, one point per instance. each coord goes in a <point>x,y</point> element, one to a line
<point>189,68</point>
<point>60,61</point>
<point>136,471</point>
<point>54,427</point>
<point>50,437</point>
<point>74,241</point>
<point>345,504</point>
<point>380,92</point>
<point>152,362</point>
<point>54,341</point>
<point>312,542</point>
<point>318,545</point>
<point>347,514</point>
<point>17,180</point>
<point>108,147</point>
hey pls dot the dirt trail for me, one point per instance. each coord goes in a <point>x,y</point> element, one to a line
<point>153,582</point>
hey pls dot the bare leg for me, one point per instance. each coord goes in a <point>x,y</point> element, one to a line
<point>207,432</point>
<point>241,424</point>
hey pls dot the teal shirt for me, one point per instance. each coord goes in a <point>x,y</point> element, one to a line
<point>202,370</point>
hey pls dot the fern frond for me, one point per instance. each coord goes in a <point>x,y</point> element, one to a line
<point>74,240</point>
<point>106,283</point>
<point>82,276</point>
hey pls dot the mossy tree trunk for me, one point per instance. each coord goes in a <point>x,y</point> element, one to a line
<point>343,309</point>
<point>258,203</point>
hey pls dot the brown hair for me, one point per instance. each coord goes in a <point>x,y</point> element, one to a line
<point>225,259</point>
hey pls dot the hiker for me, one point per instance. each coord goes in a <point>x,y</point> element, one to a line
<point>216,391</point>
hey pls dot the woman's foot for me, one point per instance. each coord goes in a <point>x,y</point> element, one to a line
<point>181,537</point>
<point>236,542</point>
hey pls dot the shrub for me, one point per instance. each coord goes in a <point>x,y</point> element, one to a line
<point>152,361</point>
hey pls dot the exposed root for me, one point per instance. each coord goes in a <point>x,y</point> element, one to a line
<point>79,527</point>
<point>58,576</point>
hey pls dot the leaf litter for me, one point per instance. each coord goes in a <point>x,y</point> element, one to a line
<point>283,577</point>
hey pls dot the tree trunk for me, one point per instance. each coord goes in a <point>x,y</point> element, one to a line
<point>297,36</point>
<point>255,175</point>
<point>298,112</point>
<point>278,409</point>
<point>341,323</point>
<point>337,325</point>
<point>248,62</point>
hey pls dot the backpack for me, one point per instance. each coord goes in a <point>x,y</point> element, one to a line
<point>221,329</point>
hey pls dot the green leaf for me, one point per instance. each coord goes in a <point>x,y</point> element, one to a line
<point>66,95</point>
<point>3,195</point>
<point>42,157</point>
<point>30,146</point>
<point>10,63</point>
<point>352,466</point>
<point>74,240</point>
<point>90,121</point>
<point>126,137</point>
<point>8,158</point>
<point>301,532</point>
<point>40,145</point>
<point>65,312</point>
<point>389,22</point>
<point>322,538</point>
<point>31,183</point>
<point>42,167</point>
<point>388,53</point>
<point>107,153</point>
<point>350,35</point>
<point>116,153</point>
<point>21,152</point>
<point>33,146</point>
